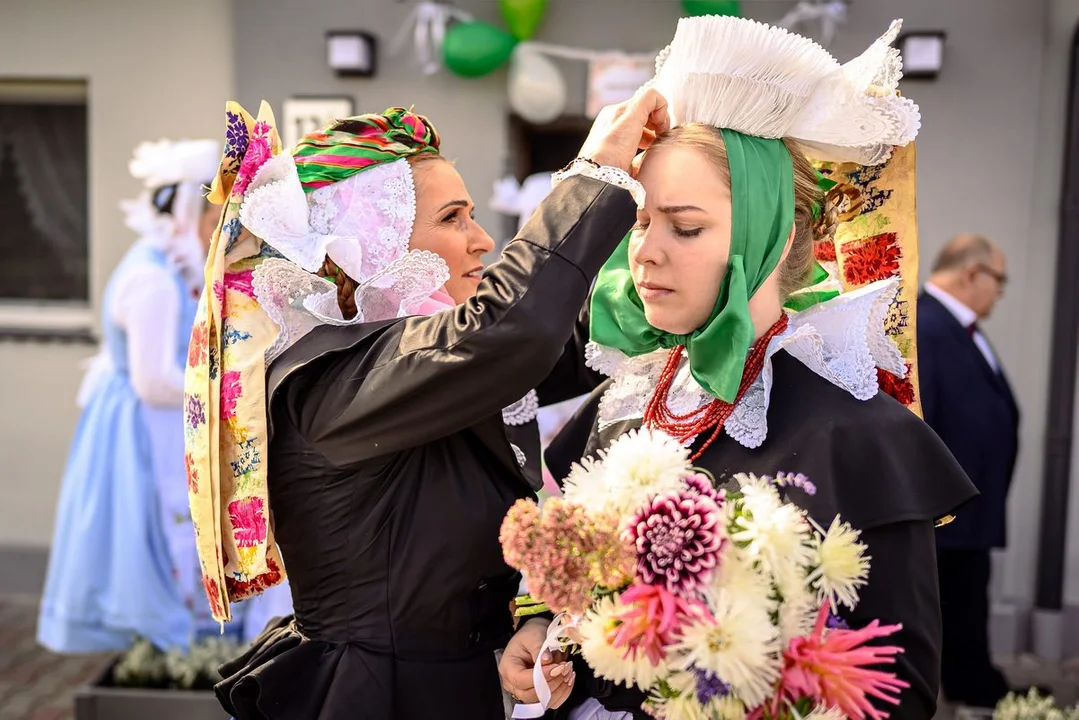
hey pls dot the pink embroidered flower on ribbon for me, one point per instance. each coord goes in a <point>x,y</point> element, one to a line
<point>231,390</point>
<point>248,521</point>
<point>241,282</point>
<point>258,152</point>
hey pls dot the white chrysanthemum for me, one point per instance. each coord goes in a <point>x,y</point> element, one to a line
<point>642,464</point>
<point>636,467</point>
<point>585,486</point>
<point>686,707</point>
<point>842,565</point>
<point>823,713</point>
<point>797,612</point>
<point>740,646</point>
<point>737,576</point>
<point>608,661</point>
<point>774,534</point>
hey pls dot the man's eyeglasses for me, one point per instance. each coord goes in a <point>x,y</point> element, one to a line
<point>1000,277</point>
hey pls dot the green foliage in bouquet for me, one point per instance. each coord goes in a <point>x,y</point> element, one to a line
<point>145,666</point>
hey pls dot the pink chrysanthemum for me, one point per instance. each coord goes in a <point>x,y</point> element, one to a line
<point>650,622</point>
<point>678,538</point>
<point>831,667</point>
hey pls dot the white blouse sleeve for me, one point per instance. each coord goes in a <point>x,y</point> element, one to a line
<point>147,306</point>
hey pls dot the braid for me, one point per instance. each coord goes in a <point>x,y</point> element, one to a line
<point>829,218</point>
<point>346,287</point>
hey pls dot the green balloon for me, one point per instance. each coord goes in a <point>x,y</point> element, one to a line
<point>473,49</point>
<point>694,8</point>
<point>523,16</point>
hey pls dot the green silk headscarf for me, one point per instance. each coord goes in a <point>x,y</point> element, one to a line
<point>762,214</point>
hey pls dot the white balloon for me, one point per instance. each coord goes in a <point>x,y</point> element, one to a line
<point>537,90</point>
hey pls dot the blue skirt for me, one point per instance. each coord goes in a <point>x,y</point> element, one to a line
<point>110,574</point>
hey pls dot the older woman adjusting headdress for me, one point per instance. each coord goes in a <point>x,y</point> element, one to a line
<point>688,321</point>
<point>361,410</point>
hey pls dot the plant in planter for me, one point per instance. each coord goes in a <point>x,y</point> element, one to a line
<point>144,666</point>
<point>146,682</point>
<point>1033,706</point>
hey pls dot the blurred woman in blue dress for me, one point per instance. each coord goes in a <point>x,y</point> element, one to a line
<point>123,562</point>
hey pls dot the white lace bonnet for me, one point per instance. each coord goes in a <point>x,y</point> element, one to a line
<point>769,82</point>
<point>179,167</point>
<point>362,223</point>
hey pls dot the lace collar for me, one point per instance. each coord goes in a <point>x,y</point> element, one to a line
<point>842,340</point>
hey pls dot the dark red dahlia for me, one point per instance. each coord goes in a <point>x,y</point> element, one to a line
<point>678,538</point>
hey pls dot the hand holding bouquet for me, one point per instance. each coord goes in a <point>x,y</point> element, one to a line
<point>718,604</point>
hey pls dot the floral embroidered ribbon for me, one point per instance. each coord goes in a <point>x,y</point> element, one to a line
<point>225,433</point>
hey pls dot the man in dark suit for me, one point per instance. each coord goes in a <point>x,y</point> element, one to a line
<point>967,401</point>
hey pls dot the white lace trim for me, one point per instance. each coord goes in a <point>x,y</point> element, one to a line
<point>363,223</point>
<point>843,340</point>
<point>604,173</point>
<point>519,455</point>
<point>523,411</point>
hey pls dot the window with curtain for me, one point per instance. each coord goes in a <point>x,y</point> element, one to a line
<point>44,229</point>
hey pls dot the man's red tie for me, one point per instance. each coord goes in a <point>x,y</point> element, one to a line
<point>972,328</point>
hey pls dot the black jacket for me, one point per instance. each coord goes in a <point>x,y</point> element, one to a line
<point>971,407</point>
<point>875,464</point>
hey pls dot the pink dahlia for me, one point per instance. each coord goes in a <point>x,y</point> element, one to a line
<point>678,538</point>
<point>702,485</point>
<point>651,621</point>
<point>832,667</point>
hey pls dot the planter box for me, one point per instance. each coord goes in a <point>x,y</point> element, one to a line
<point>101,701</point>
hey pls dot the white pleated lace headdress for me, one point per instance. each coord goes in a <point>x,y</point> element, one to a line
<point>769,82</point>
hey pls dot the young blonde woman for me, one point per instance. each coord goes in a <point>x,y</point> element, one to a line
<point>688,320</point>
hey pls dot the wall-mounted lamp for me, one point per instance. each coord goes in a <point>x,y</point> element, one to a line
<point>351,52</point>
<point>923,53</point>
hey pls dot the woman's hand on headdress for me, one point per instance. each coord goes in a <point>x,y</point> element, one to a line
<point>619,131</point>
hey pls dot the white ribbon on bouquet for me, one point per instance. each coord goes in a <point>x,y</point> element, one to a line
<point>556,641</point>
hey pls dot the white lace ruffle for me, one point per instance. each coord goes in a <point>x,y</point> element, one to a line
<point>523,411</point>
<point>769,82</point>
<point>842,340</point>
<point>604,173</point>
<point>363,223</point>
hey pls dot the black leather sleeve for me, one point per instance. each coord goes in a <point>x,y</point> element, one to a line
<point>379,390</point>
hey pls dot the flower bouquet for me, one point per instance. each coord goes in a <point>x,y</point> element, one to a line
<point>716,603</point>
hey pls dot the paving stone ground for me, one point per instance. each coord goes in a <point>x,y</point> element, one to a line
<point>36,684</point>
